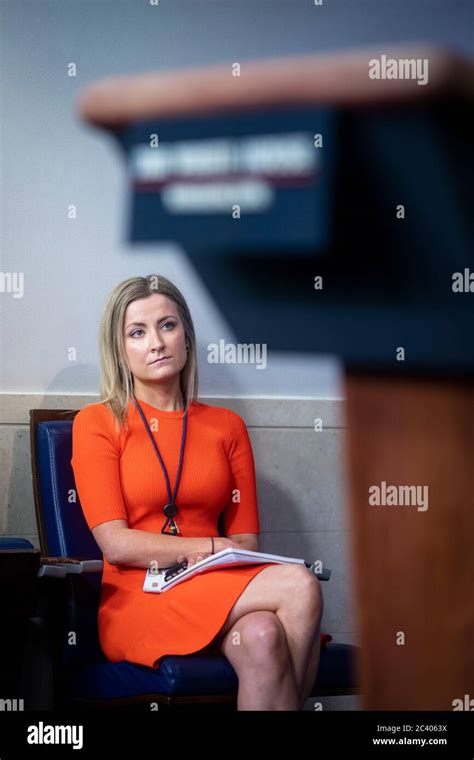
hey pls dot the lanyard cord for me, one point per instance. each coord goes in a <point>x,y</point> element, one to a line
<point>171,499</point>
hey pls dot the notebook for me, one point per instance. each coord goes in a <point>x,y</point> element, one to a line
<point>155,580</point>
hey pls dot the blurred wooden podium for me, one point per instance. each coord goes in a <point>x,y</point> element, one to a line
<point>389,143</point>
<point>414,569</point>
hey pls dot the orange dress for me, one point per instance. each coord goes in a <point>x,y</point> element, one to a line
<point>118,476</point>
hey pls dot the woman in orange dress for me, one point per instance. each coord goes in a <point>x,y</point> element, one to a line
<point>149,444</point>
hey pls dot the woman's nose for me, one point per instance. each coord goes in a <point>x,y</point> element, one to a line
<point>156,341</point>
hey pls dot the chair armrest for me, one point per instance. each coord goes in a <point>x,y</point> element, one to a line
<point>59,567</point>
<point>325,573</point>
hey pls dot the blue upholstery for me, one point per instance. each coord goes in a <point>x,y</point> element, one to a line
<point>67,535</point>
<point>89,674</point>
<point>67,532</point>
<point>196,674</point>
<point>8,542</point>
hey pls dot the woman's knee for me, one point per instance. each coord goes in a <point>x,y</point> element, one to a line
<point>305,589</point>
<point>262,639</point>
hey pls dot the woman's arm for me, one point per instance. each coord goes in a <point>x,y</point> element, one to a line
<point>240,515</point>
<point>122,545</point>
<point>246,540</point>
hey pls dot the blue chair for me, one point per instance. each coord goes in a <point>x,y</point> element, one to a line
<point>84,677</point>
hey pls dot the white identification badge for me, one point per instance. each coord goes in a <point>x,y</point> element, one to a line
<point>154,580</point>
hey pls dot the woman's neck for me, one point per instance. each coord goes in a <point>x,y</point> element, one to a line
<point>167,401</point>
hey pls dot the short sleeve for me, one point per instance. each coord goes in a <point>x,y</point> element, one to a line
<point>95,463</point>
<point>241,516</point>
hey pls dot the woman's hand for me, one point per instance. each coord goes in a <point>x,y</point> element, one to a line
<point>193,557</point>
<point>225,543</point>
<point>219,544</point>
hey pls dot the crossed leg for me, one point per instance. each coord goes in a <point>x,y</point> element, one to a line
<point>257,648</point>
<point>271,638</point>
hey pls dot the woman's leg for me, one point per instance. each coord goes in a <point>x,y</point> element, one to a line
<point>311,667</point>
<point>257,649</point>
<point>301,617</point>
<point>294,595</point>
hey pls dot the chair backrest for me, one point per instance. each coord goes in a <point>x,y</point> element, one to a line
<point>63,532</point>
<point>62,528</point>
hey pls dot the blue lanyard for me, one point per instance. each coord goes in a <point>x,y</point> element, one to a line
<point>170,509</point>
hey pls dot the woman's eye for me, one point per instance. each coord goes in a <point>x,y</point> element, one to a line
<point>134,332</point>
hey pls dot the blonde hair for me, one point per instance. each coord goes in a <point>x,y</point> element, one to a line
<point>116,380</point>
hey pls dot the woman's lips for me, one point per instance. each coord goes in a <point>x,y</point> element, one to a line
<point>163,359</point>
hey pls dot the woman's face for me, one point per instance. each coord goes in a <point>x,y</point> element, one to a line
<point>152,330</point>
